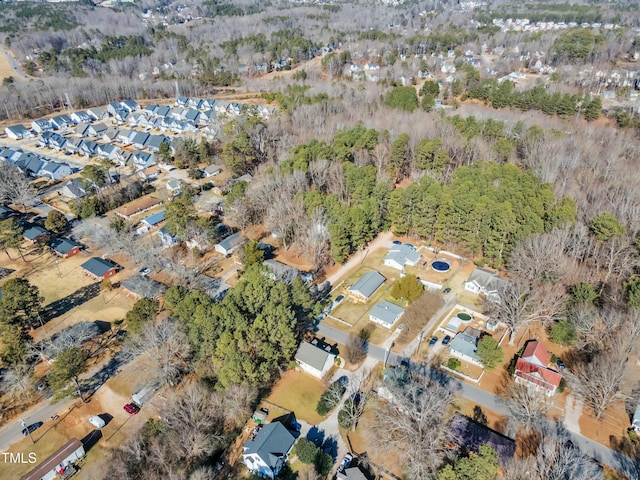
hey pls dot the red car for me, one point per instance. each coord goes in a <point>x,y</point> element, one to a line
<point>131,409</point>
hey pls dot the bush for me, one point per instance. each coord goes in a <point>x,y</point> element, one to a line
<point>306,451</point>
<point>489,352</point>
<point>453,363</point>
<point>562,386</point>
<point>330,398</point>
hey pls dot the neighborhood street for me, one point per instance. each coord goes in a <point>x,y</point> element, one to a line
<point>475,394</point>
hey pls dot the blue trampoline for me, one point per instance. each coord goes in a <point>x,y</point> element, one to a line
<point>441,266</point>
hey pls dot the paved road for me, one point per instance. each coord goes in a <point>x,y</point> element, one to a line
<point>14,64</point>
<point>475,394</point>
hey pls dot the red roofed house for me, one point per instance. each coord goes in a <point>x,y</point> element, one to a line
<point>532,369</point>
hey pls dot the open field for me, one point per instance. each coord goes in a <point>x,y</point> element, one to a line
<point>299,393</point>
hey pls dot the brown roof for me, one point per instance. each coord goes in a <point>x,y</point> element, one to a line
<point>137,206</point>
<point>541,376</point>
<point>50,463</point>
<point>537,350</point>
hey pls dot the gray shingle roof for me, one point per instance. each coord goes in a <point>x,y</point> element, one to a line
<point>386,312</point>
<point>403,255</point>
<point>272,443</point>
<point>143,287</point>
<point>487,280</point>
<point>232,241</point>
<point>98,266</point>
<point>32,232</point>
<point>312,355</point>
<point>367,284</point>
<point>63,245</point>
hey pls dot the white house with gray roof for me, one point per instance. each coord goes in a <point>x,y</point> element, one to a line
<point>267,453</point>
<point>229,244</point>
<point>385,313</point>
<point>17,132</point>
<point>365,287</point>
<point>401,255</point>
<point>316,357</point>
<point>485,282</point>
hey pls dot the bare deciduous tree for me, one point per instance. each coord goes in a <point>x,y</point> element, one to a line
<point>15,187</point>
<point>527,406</point>
<point>17,382</point>
<point>413,424</point>
<point>355,349</point>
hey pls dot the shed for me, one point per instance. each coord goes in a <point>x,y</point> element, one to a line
<point>259,416</point>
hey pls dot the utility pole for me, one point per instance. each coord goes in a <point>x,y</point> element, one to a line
<point>24,425</point>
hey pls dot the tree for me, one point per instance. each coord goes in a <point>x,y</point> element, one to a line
<point>238,155</point>
<point>413,425</point>
<point>251,254</point>
<point>15,344</point>
<point>407,288</point>
<point>592,108</point>
<point>605,226</point>
<point>429,87</point>
<point>17,382</point>
<point>66,370</point>
<point>481,466</point>
<point>352,409</point>
<point>330,397</point>
<point>527,407</point>
<point>11,236</point>
<point>56,222</point>
<point>143,311</point>
<point>94,175</point>
<point>563,333</point>
<point>179,214</point>
<point>15,187</point>
<point>166,347</point>
<point>489,352</point>
<point>118,223</point>
<point>403,98</point>
<point>21,300</point>
<point>323,463</point>
<point>305,450</point>
<point>632,291</point>
<point>355,349</point>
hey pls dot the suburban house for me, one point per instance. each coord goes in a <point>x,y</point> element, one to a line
<point>54,170</point>
<point>316,357</point>
<point>34,233</point>
<point>130,105</point>
<point>485,282</point>
<point>401,255</point>
<point>464,345</point>
<point>138,205</point>
<point>64,247</point>
<point>29,164</point>
<point>266,454</point>
<point>348,472</point>
<point>17,132</point>
<point>138,287</point>
<point>59,464</point>
<point>80,117</point>
<point>174,185</point>
<point>97,113</point>
<point>470,435</point>
<point>82,129</point>
<point>167,238</point>
<point>282,272</point>
<point>61,122</point>
<point>385,313</point>
<point>532,369</point>
<point>229,244</point>
<point>73,189</point>
<point>41,125</point>
<point>211,171</point>
<point>366,286</point>
<point>151,221</point>
<point>99,268</point>
<point>97,129</point>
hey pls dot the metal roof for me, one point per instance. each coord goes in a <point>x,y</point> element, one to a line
<point>367,284</point>
<point>386,312</point>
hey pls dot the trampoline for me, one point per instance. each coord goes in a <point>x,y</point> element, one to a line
<point>441,266</point>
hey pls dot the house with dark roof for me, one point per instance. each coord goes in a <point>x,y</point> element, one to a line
<point>532,369</point>
<point>80,117</point>
<point>139,139</point>
<point>385,313</point>
<point>6,212</point>
<point>469,436</point>
<point>64,247</point>
<point>29,164</point>
<point>130,105</point>
<point>99,268</point>
<point>153,142</point>
<point>401,255</point>
<point>281,272</point>
<point>138,287</point>
<point>34,233</point>
<point>97,129</point>
<point>366,286</point>
<point>229,244</point>
<point>59,464</point>
<point>316,357</point>
<point>485,282</point>
<point>62,122</point>
<point>267,453</point>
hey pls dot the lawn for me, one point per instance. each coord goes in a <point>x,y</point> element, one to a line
<point>299,393</point>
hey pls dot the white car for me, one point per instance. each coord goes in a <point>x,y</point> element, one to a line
<point>97,421</point>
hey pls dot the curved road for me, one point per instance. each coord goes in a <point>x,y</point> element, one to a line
<point>14,64</point>
<point>480,397</point>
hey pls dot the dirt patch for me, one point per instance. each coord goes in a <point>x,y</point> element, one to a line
<point>291,256</point>
<point>481,415</point>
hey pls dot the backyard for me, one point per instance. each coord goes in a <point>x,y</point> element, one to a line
<point>299,392</point>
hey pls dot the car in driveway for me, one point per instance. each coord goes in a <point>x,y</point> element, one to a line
<point>409,245</point>
<point>397,242</point>
<point>30,428</point>
<point>446,291</point>
<point>131,408</point>
<point>97,421</point>
<point>560,364</point>
<point>346,461</point>
<point>433,341</point>
<point>446,339</point>
<point>145,271</point>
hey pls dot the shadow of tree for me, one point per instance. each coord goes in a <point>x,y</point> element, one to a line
<point>66,304</point>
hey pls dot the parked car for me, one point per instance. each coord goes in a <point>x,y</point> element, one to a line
<point>346,460</point>
<point>446,290</point>
<point>560,364</point>
<point>144,271</point>
<point>30,428</point>
<point>131,409</point>
<point>433,341</point>
<point>97,421</point>
<point>446,339</point>
<point>397,242</point>
<point>409,245</point>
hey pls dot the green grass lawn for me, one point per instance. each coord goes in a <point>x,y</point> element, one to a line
<point>299,392</point>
